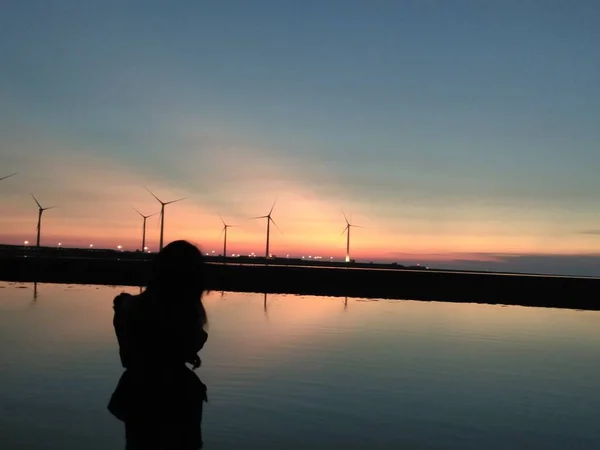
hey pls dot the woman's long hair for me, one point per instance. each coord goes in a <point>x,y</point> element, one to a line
<point>177,281</point>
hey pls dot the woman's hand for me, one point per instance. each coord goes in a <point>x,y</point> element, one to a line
<point>194,361</point>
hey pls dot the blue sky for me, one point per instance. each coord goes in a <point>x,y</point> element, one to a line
<point>446,127</point>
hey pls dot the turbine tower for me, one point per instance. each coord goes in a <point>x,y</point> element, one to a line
<point>8,176</point>
<point>39,224</point>
<point>347,231</point>
<point>144,228</point>
<point>224,230</point>
<point>162,215</point>
<point>269,220</point>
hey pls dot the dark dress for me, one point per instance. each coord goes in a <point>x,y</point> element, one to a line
<point>158,397</point>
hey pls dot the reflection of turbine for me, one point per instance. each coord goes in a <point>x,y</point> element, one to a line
<point>346,303</point>
<point>162,215</point>
<point>144,228</point>
<point>8,176</point>
<point>39,224</point>
<point>224,230</point>
<point>35,294</point>
<point>269,220</point>
<point>347,231</point>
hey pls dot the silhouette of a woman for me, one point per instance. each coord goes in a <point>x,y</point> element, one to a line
<point>158,397</point>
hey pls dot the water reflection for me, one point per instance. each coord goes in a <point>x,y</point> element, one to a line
<point>318,374</point>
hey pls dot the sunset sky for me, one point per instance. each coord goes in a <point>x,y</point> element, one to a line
<point>457,133</point>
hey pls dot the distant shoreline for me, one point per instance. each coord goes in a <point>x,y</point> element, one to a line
<point>97,253</point>
<point>281,276</point>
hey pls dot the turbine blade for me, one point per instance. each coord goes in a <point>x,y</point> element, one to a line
<point>150,215</point>
<point>175,201</point>
<point>277,226</point>
<point>272,207</point>
<point>8,176</point>
<point>347,226</point>
<point>259,217</point>
<point>139,213</point>
<point>38,203</point>
<point>224,224</point>
<point>50,207</point>
<point>345,218</point>
<point>151,193</point>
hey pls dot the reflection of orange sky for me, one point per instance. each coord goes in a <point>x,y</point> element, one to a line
<point>79,319</point>
<point>96,197</point>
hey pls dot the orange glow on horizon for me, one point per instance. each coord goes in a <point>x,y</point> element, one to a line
<point>96,198</point>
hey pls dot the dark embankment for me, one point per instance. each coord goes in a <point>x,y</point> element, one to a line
<point>544,291</point>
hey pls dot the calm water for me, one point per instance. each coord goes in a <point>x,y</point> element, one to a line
<point>314,373</point>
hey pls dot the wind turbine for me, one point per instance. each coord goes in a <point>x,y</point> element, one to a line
<point>347,231</point>
<point>224,230</point>
<point>269,220</point>
<point>162,214</point>
<point>144,228</point>
<point>8,176</point>
<point>39,224</point>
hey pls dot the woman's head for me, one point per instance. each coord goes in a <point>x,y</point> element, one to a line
<point>178,273</point>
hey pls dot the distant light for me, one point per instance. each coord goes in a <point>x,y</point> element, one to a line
<point>213,251</point>
<point>146,248</point>
<point>91,245</point>
<point>119,247</point>
<point>59,244</point>
<point>287,256</point>
<point>26,242</point>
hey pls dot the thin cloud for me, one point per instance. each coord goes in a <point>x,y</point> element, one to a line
<point>593,232</point>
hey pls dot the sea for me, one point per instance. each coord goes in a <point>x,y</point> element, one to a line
<point>302,372</point>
